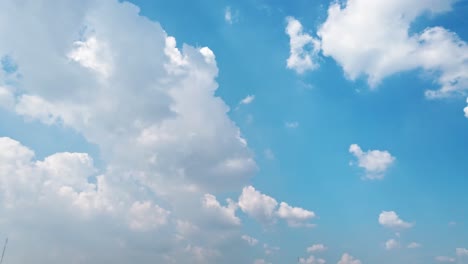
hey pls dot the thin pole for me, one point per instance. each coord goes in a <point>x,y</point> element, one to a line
<point>3,253</point>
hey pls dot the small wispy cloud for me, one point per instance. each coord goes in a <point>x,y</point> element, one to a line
<point>293,124</point>
<point>268,153</point>
<point>414,245</point>
<point>230,16</point>
<point>316,248</point>
<point>444,259</point>
<point>250,240</point>
<point>247,100</point>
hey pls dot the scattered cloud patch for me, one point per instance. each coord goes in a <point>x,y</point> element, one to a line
<point>391,219</point>
<point>413,245</point>
<point>295,216</point>
<point>316,248</point>
<point>304,48</point>
<point>202,254</point>
<point>269,250</point>
<point>461,252</point>
<point>250,240</point>
<point>230,16</point>
<point>348,259</point>
<point>445,259</point>
<point>392,244</point>
<point>374,162</point>
<point>145,216</point>
<point>257,205</point>
<point>311,260</point>
<point>225,215</point>
<point>265,209</point>
<point>247,100</point>
<point>291,125</point>
<point>260,261</point>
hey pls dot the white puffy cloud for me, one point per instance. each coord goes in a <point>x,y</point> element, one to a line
<point>392,244</point>
<point>149,105</point>
<point>224,215</point>
<point>145,216</point>
<point>60,198</point>
<point>414,245</point>
<point>125,101</point>
<point>466,109</point>
<point>294,216</point>
<point>257,205</point>
<point>461,252</point>
<point>250,240</point>
<point>25,182</point>
<point>378,44</point>
<point>374,162</point>
<point>391,219</point>
<point>445,259</point>
<point>312,260</point>
<point>348,259</point>
<point>265,209</point>
<point>316,248</point>
<point>304,48</point>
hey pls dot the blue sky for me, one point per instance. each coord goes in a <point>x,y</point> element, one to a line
<point>234,132</point>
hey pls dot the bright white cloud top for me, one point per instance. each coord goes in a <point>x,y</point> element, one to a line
<point>303,48</point>
<point>257,205</point>
<point>374,162</point>
<point>265,209</point>
<point>247,100</point>
<point>391,219</point>
<point>378,44</point>
<point>348,259</point>
<point>295,216</point>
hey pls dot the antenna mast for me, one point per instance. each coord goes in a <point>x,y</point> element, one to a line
<point>4,248</point>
